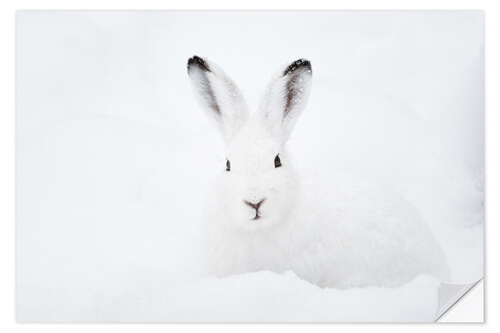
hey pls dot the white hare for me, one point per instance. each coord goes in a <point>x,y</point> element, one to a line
<point>260,217</point>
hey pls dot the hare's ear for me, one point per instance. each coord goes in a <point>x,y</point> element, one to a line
<point>218,95</point>
<point>286,97</point>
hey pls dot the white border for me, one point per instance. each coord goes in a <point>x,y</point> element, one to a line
<point>7,57</point>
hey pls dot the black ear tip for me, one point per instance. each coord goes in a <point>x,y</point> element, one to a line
<point>301,63</point>
<point>197,61</point>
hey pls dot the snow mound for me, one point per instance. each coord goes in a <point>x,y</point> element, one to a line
<point>270,297</point>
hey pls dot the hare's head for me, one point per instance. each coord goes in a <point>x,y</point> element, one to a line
<point>258,186</point>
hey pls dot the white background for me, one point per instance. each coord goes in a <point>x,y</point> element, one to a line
<point>8,134</point>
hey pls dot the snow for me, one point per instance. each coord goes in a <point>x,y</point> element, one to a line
<point>261,296</point>
<point>114,157</point>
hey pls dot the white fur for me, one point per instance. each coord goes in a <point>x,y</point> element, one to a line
<point>364,237</point>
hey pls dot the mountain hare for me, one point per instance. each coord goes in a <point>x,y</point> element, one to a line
<point>261,217</point>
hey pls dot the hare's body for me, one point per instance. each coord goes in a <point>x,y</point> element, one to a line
<point>261,217</point>
<point>357,239</point>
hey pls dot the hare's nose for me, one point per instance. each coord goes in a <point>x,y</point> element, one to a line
<point>253,204</point>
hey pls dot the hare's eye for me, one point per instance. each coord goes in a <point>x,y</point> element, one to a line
<point>228,165</point>
<point>277,161</point>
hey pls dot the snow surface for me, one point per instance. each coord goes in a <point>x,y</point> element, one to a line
<point>115,158</point>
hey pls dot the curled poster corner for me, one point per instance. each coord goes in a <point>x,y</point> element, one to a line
<point>450,294</point>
